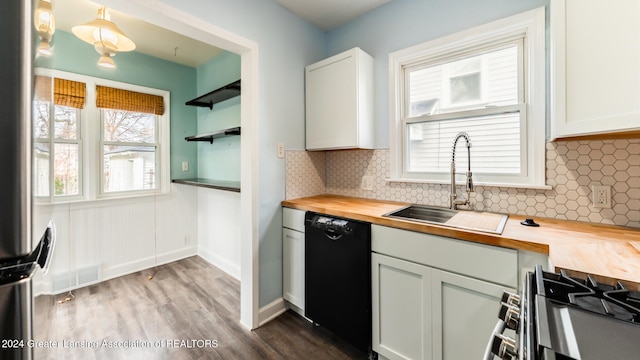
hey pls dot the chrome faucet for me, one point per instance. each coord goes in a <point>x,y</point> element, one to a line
<point>453,202</point>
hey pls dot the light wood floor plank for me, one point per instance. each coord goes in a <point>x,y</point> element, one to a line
<point>186,300</point>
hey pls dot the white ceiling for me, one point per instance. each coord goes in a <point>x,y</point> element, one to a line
<point>329,14</point>
<point>149,39</point>
<point>161,43</point>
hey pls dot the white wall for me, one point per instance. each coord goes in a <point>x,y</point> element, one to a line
<point>219,229</point>
<point>121,236</point>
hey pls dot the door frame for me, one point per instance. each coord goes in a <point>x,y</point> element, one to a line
<point>180,22</point>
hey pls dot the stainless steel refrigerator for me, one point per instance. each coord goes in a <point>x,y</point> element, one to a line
<point>19,255</point>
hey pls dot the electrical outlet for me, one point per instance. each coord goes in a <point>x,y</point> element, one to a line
<point>280,150</point>
<point>367,183</point>
<point>601,196</point>
<point>185,166</point>
<point>186,240</point>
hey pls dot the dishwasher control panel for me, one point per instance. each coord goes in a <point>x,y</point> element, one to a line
<point>330,224</point>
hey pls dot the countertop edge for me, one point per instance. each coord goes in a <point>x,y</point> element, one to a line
<point>573,246</point>
<point>461,234</point>
<point>210,185</point>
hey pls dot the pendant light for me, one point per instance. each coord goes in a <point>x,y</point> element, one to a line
<point>45,24</point>
<point>105,36</point>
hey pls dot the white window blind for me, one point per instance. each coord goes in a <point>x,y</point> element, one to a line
<point>488,81</point>
<point>495,144</point>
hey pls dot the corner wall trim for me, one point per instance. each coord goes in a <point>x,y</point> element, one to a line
<point>220,262</point>
<point>271,311</point>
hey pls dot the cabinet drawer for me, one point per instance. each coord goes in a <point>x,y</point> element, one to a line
<point>293,219</point>
<point>490,263</point>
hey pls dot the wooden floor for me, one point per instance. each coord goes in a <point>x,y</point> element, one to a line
<point>189,310</point>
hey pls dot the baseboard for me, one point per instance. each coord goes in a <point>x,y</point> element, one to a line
<point>147,263</point>
<point>297,310</point>
<point>220,262</point>
<point>44,287</point>
<point>271,311</point>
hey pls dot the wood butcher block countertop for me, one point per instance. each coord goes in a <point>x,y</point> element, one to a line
<point>605,251</point>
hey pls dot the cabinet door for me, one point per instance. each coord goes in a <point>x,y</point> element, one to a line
<point>401,308</point>
<point>464,313</point>
<point>595,72</point>
<point>293,267</point>
<point>331,100</point>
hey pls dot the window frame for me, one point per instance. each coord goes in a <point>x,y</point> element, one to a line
<point>52,141</point>
<point>530,26</point>
<point>103,143</point>
<point>90,152</point>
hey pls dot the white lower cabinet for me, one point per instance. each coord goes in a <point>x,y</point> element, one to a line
<point>293,267</point>
<point>464,312</point>
<point>401,308</point>
<point>426,312</point>
<point>293,258</point>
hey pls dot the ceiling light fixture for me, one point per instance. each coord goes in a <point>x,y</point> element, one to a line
<point>105,36</point>
<point>45,24</point>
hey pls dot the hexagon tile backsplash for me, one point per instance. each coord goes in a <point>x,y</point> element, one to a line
<point>572,168</point>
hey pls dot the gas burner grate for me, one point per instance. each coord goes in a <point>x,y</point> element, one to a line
<point>615,301</point>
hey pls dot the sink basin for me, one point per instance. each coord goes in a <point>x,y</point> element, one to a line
<point>461,219</point>
<point>424,213</point>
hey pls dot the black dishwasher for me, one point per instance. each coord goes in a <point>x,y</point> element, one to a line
<point>338,277</point>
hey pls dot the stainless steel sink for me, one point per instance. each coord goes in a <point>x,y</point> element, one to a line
<point>465,219</point>
<point>423,213</point>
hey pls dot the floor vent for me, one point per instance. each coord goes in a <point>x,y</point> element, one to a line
<point>75,279</point>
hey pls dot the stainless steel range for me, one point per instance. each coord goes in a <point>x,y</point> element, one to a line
<point>563,318</point>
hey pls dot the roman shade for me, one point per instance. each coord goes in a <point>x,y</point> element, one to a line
<point>119,99</point>
<point>65,92</point>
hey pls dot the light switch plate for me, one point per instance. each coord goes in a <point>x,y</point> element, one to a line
<point>280,150</point>
<point>185,166</point>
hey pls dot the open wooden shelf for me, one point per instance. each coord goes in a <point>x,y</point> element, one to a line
<point>218,95</point>
<point>213,135</point>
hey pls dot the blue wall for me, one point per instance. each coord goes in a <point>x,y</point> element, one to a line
<point>403,23</point>
<point>286,45</point>
<point>73,55</point>
<point>220,160</point>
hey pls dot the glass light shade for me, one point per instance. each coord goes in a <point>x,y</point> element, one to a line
<point>45,49</point>
<point>106,62</point>
<point>45,24</point>
<point>103,32</point>
<point>105,35</point>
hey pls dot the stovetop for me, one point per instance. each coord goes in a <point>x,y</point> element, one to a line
<point>579,318</point>
<point>587,294</point>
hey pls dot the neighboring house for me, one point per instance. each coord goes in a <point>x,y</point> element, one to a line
<point>129,168</point>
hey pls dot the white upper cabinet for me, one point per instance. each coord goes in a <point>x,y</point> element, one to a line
<point>595,67</point>
<point>339,102</point>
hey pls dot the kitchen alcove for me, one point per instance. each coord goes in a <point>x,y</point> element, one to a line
<point>208,100</point>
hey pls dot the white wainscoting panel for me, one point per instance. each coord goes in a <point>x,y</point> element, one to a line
<point>120,236</point>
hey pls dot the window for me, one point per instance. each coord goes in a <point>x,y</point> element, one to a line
<point>113,144</point>
<point>489,82</point>
<point>57,175</point>
<point>129,149</point>
<point>129,140</point>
